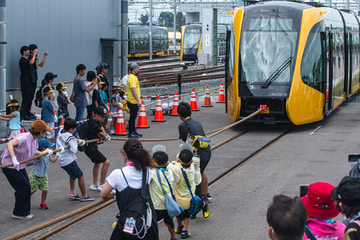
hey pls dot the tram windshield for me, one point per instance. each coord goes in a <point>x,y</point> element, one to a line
<point>267,42</point>
<point>192,37</point>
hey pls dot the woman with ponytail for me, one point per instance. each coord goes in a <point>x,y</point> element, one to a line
<point>128,185</point>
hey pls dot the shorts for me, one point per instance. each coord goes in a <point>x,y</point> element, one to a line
<point>50,134</point>
<point>184,215</point>
<point>163,214</point>
<point>40,183</point>
<point>73,170</point>
<point>95,156</point>
<point>14,133</point>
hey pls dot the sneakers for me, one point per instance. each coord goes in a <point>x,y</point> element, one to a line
<point>178,229</point>
<point>87,199</point>
<point>139,134</point>
<point>112,132</point>
<point>43,205</point>
<point>133,135</point>
<point>77,197</point>
<point>185,234</point>
<point>28,217</point>
<point>207,197</point>
<point>100,187</point>
<point>94,187</point>
<point>206,211</point>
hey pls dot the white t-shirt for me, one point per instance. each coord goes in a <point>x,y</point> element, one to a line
<point>133,177</point>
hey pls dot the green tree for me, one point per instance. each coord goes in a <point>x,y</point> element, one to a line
<point>144,19</point>
<point>167,20</point>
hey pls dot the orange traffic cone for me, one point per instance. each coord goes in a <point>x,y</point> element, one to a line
<point>158,112</point>
<point>108,108</point>
<point>62,123</point>
<point>175,105</point>
<point>120,124</point>
<point>207,99</point>
<point>221,98</point>
<point>142,120</point>
<point>193,102</point>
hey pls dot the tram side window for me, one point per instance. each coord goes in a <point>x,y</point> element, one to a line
<point>231,53</point>
<point>311,64</point>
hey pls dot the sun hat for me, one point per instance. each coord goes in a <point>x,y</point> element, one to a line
<point>318,202</point>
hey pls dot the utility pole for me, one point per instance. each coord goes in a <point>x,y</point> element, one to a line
<point>3,128</point>
<point>174,26</point>
<point>150,33</point>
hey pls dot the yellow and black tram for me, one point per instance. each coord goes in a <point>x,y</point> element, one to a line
<point>299,60</point>
<point>191,42</point>
<point>139,41</point>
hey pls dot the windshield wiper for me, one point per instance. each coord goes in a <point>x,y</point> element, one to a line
<point>277,73</point>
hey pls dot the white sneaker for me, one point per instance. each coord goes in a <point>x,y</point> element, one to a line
<point>94,187</point>
<point>100,187</point>
<point>112,132</point>
<point>28,217</point>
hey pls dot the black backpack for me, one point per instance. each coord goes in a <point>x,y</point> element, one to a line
<point>82,132</point>
<point>38,98</point>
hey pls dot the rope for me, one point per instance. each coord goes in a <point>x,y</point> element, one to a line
<point>260,110</point>
<point>44,154</point>
<point>54,128</point>
<point>146,140</point>
<point>72,221</point>
<point>56,220</point>
<point>98,205</point>
<point>216,131</point>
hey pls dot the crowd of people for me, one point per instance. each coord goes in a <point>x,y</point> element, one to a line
<point>127,182</point>
<point>186,175</point>
<point>150,177</point>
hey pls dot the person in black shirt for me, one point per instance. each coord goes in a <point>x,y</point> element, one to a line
<point>26,82</point>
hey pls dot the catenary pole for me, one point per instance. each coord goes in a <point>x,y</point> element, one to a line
<point>3,128</point>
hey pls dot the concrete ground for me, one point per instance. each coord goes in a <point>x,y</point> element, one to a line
<point>240,200</point>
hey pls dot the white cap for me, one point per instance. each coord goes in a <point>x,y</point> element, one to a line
<point>158,148</point>
<point>186,146</point>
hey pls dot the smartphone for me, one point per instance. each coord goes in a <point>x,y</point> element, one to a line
<point>354,157</point>
<point>303,190</point>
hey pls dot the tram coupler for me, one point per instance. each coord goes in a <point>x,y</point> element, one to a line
<point>264,109</point>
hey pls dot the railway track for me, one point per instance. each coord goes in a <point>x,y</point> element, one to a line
<point>193,75</point>
<point>219,165</point>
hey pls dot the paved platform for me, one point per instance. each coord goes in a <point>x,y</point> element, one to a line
<point>240,200</point>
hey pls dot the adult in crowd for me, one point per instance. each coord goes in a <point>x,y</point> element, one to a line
<point>286,218</point>
<point>19,149</point>
<point>26,82</point>
<point>102,69</point>
<point>347,196</point>
<point>133,98</point>
<point>124,80</point>
<point>79,92</point>
<point>128,183</point>
<point>193,127</point>
<point>33,71</point>
<point>321,210</point>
